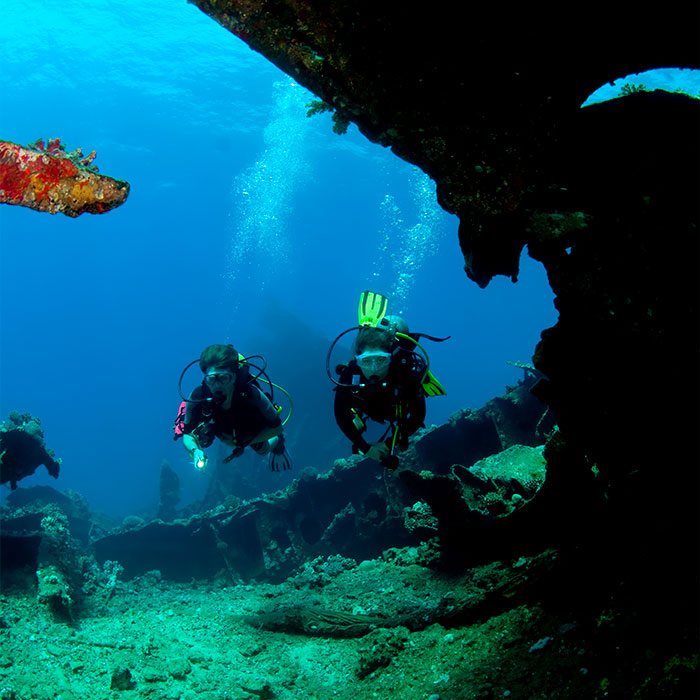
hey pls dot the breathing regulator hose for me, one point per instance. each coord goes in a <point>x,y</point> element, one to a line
<point>261,375</point>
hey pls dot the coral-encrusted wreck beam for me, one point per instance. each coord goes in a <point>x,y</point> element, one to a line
<point>49,179</point>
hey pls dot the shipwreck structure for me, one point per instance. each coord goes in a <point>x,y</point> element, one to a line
<point>487,100</point>
<point>467,476</point>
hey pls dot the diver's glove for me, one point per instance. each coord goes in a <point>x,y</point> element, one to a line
<point>381,452</point>
<point>279,457</point>
<point>378,452</point>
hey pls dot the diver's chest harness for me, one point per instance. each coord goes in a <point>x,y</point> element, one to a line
<point>216,419</point>
<point>387,397</point>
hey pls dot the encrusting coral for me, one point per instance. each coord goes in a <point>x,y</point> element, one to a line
<point>49,178</point>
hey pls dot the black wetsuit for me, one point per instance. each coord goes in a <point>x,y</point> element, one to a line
<point>250,413</point>
<point>398,398</point>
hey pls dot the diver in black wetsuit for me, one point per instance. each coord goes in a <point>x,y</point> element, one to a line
<point>230,405</point>
<point>387,380</point>
<point>383,383</point>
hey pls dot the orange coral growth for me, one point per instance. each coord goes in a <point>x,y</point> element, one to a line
<point>46,178</point>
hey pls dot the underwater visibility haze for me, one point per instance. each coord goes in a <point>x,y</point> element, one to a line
<point>247,223</point>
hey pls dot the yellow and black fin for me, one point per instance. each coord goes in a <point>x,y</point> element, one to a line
<point>372,308</point>
<point>431,386</point>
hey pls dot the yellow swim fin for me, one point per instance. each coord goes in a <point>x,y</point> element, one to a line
<point>431,386</point>
<point>372,308</point>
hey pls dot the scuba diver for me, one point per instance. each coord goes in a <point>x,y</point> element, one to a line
<point>387,380</point>
<point>230,405</point>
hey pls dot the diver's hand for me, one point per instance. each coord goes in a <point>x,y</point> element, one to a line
<point>199,460</point>
<point>378,451</point>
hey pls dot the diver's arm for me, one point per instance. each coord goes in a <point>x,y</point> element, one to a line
<point>195,451</point>
<point>344,418</point>
<point>190,443</point>
<point>193,416</point>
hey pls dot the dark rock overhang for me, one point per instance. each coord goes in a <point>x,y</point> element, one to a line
<point>484,97</point>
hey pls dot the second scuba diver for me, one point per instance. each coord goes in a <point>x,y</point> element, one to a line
<point>230,405</point>
<point>387,380</point>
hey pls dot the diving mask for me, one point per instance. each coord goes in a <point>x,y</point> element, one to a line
<point>373,361</point>
<point>218,378</point>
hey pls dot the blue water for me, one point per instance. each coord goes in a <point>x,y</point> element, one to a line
<point>247,223</point>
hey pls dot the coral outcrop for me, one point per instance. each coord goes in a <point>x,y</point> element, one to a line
<point>45,177</point>
<point>57,564</point>
<point>22,449</point>
<point>169,492</point>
